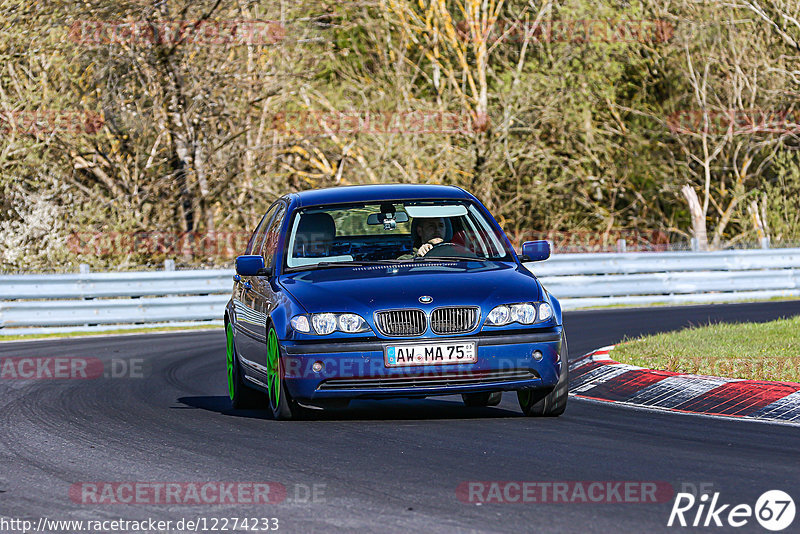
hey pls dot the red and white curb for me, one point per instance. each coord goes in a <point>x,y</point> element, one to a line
<point>596,376</point>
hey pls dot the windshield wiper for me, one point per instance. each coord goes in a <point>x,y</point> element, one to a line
<point>450,258</point>
<point>354,263</point>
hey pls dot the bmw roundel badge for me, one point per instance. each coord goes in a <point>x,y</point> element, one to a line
<point>425,299</point>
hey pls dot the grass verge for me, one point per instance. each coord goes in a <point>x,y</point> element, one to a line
<point>755,351</point>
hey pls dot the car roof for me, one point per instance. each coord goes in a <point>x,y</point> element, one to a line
<point>379,192</point>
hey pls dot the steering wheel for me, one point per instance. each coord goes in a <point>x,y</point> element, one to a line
<point>448,250</point>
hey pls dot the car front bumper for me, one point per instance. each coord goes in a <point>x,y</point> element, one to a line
<point>357,369</point>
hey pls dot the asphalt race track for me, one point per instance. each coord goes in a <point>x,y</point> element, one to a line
<point>384,466</point>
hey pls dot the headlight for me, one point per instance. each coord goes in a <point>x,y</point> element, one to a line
<point>324,323</point>
<point>300,323</point>
<point>523,313</point>
<point>327,323</point>
<point>545,312</point>
<point>499,316</point>
<point>351,323</point>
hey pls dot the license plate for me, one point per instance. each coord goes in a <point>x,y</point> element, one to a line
<point>432,354</point>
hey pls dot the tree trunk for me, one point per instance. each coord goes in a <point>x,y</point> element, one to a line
<point>698,217</point>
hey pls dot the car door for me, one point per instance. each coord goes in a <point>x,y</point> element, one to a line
<point>260,300</point>
<point>246,320</point>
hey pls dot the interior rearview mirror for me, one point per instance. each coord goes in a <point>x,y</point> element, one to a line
<point>381,218</point>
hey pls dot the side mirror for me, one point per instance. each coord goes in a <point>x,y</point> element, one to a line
<point>249,265</point>
<point>535,250</point>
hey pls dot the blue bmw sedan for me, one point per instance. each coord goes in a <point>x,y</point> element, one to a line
<point>390,291</point>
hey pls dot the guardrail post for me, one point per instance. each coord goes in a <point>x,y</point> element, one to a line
<point>622,246</point>
<point>84,269</point>
<point>765,242</point>
<point>169,265</point>
<point>695,244</point>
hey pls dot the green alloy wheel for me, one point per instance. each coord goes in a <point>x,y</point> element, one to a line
<point>280,402</point>
<point>242,397</point>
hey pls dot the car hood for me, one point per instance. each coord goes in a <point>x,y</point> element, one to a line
<point>366,289</point>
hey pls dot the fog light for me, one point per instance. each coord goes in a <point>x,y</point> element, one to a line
<point>537,355</point>
<point>317,367</point>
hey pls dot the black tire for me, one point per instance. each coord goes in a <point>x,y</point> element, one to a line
<point>548,404</point>
<point>488,398</point>
<point>280,402</point>
<point>242,397</point>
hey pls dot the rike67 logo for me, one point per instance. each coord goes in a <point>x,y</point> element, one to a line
<point>774,510</point>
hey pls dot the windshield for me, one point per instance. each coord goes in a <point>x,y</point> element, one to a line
<point>392,232</point>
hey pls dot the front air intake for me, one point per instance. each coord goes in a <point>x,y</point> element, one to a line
<point>401,322</point>
<point>455,320</point>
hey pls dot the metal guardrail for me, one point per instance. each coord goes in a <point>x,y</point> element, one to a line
<point>590,280</point>
<point>95,301</point>
<point>128,284</point>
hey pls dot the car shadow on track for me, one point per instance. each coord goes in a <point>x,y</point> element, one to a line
<point>362,410</point>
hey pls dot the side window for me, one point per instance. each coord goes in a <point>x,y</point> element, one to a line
<point>273,235</point>
<point>259,231</point>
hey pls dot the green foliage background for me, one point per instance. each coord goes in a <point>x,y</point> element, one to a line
<point>578,141</point>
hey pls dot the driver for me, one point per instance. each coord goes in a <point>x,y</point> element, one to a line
<point>427,233</point>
